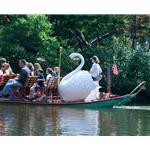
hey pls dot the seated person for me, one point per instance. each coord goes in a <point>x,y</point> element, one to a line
<point>4,61</point>
<point>49,72</point>
<point>39,84</point>
<point>17,82</point>
<point>56,71</point>
<point>31,67</point>
<point>5,69</point>
<point>37,67</point>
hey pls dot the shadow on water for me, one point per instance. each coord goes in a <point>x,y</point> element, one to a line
<point>44,120</point>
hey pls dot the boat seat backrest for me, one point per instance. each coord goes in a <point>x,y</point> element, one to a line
<point>53,83</point>
<point>30,81</point>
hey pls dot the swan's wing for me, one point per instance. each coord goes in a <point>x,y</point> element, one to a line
<point>77,87</point>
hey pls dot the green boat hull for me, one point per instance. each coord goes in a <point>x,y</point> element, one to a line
<point>117,101</point>
<point>104,103</point>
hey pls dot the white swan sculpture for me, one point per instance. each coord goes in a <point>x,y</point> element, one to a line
<point>78,85</point>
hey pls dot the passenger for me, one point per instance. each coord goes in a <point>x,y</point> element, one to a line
<point>3,61</point>
<point>56,70</point>
<point>5,69</point>
<point>96,70</point>
<point>17,82</point>
<point>37,67</point>
<point>49,77</point>
<point>39,84</point>
<point>31,67</point>
<point>49,72</point>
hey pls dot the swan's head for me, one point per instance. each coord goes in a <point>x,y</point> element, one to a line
<point>75,56</point>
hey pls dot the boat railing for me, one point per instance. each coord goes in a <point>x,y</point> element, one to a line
<point>140,87</point>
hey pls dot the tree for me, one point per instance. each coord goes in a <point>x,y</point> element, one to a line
<point>28,37</point>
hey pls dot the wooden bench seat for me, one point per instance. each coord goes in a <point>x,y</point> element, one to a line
<point>23,91</point>
<point>52,88</point>
<point>5,79</point>
<point>31,80</point>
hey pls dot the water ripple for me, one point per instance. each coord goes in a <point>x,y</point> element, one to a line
<point>133,107</point>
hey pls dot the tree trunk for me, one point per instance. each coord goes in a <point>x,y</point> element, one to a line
<point>134,34</point>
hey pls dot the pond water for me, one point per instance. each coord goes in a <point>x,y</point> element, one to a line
<point>45,120</point>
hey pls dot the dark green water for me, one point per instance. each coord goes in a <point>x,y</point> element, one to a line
<point>44,120</point>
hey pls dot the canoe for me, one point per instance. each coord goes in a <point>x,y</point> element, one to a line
<point>105,102</point>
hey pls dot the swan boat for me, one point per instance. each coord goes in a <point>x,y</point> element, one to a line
<point>111,101</point>
<point>77,89</point>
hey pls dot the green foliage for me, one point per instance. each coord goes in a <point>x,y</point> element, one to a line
<point>28,37</point>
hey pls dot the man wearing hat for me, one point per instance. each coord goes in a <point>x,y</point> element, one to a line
<point>96,69</point>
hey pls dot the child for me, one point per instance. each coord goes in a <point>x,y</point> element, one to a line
<point>39,85</point>
<point>49,72</point>
<point>56,70</point>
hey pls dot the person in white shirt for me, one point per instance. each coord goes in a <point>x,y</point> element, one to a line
<point>49,74</point>
<point>49,78</point>
<point>96,70</point>
<point>5,69</point>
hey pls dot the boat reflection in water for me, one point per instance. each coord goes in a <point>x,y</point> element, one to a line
<point>79,121</point>
<point>37,120</point>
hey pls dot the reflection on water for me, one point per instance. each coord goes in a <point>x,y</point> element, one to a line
<point>79,121</point>
<point>133,107</point>
<point>43,120</point>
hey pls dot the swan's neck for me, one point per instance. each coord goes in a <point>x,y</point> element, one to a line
<point>76,70</point>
